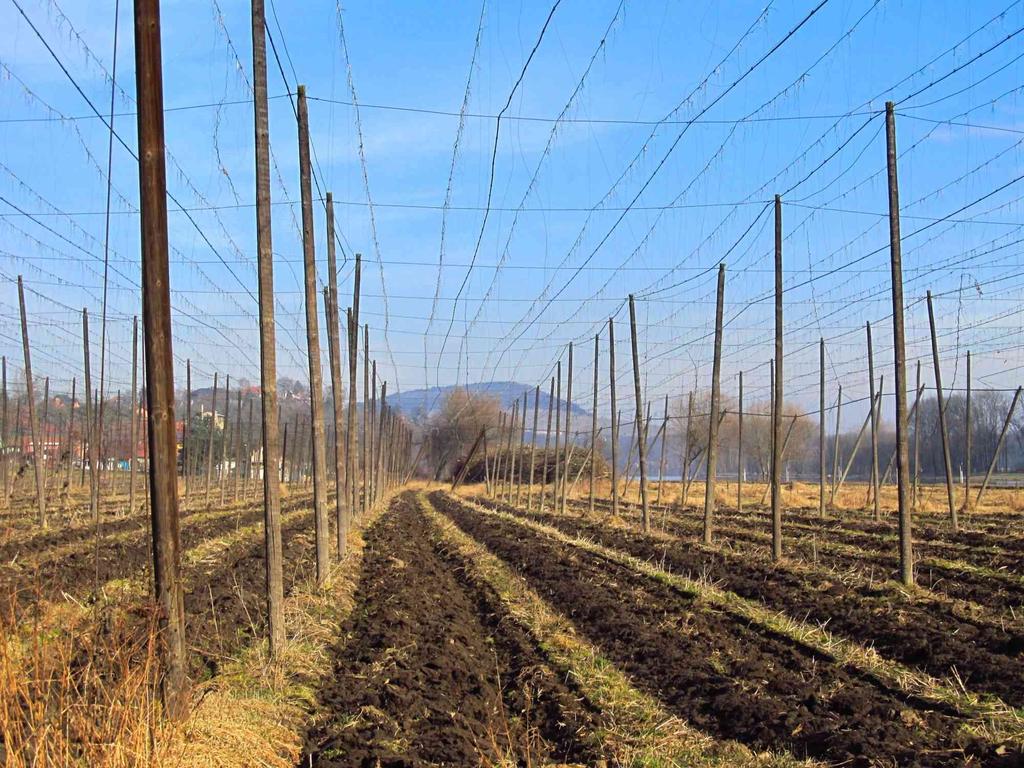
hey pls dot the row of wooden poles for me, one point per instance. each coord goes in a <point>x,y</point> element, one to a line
<point>365,468</point>
<point>509,425</point>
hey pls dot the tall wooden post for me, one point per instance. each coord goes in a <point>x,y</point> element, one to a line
<point>225,439</point>
<point>337,393</point>
<point>133,429</point>
<point>156,320</point>
<point>661,458</point>
<point>89,428</point>
<point>372,440</point>
<point>739,451</point>
<point>522,448</point>
<point>284,452</point>
<point>942,416</point>
<point>558,436</point>
<point>268,349</point>
<point>835,445</point>
<point>641,431</point>
<point>533,448</point>
<point>615,426</point>
<point>593,424</point>
<point>821,429</point>
<point>778,399</point>
<point>568,431</point>
<point>686,448</point>
<point>316,385</point>
<point>874,428</point>
<point>209,444</point>
<point>899,351</point>
<point>716,371</point>
<point>71,431</point>
<point>365,445</point>
<point>917,441</point>
<point>967,438</point>
<point>510,463</point>
<point>33,421</point>
<point>351,436</point>
<point>547,445</point>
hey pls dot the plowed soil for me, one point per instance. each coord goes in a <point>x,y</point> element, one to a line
<point>728,678</point>
<point>988,658</point>
<point>431,671</point>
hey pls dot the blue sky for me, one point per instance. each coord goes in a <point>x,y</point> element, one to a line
<point>803,122</point>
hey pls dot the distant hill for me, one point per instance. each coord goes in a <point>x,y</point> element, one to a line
<point>418,404</point>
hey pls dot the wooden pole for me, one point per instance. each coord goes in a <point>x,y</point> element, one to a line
<point>716,370</point>
<point>373,439</point>
<point>999,445</point>
<point>593,424</point>
<point>739,451</point>
<point>133,429</point>
<point>225,439</point>
<point>268,350</point>
<point>89,428</point>
<point>899,352</point>
<point>71,430</point>
<point>641,432</point>
<point>547,444</point>
<point>510,462</point>
<point>568,432</point>
<point>316,385</point>
<point>558,437</point>
<point>942,416</point>
<point>284,452</point>
<point>917,440</point>
<point>967,438</point>
<point>367,437</point>
<point>533,448</point>
<point>779,399</point>
<point>835,445</point>
<point>337,392</point>
<point>686,448</point>
<point>874,428</point>
<point>615,426</point>
<point>209,444</point>
<point>33,421</point>
<point>156,320</point>
<point>821,428</point>
<point>661,459</point>
<point>186,441</point>
<point>522,448</point>
<point>351,433</point>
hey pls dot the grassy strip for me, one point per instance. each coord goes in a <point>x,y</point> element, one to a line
<point>642,732</point>
<point>253,712</point>
<point>990,718</point>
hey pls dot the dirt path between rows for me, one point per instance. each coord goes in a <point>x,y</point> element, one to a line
<point>430,670</point>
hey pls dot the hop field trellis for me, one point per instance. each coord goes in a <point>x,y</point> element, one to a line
<point>787,556</point>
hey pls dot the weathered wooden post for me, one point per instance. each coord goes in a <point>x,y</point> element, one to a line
<point>661,459</point>
<point>967,439</point>
<point>641,432</point>
<point>779,399</point>
<point>316,385</point>
<point>558,437</point>
<point>874,428</point>
<point>615,426</point>
<point>337,392</point>
<point>268,351</point>
<point>209,444</point>
<point>133,430</point>
<point>351,432</point>
<point>33,420</point>
<point>821,429</point>
<point>522,448</point>
<point>156,319</point>
<point>568,431</point>
<point>225,438</point>
<point>533,447</point>
<point>716,369</point>
<point>739,451</point>
<point>547,445</point>
<point>917,440</point>
<point>593,424</point>
<point>940,398</point>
